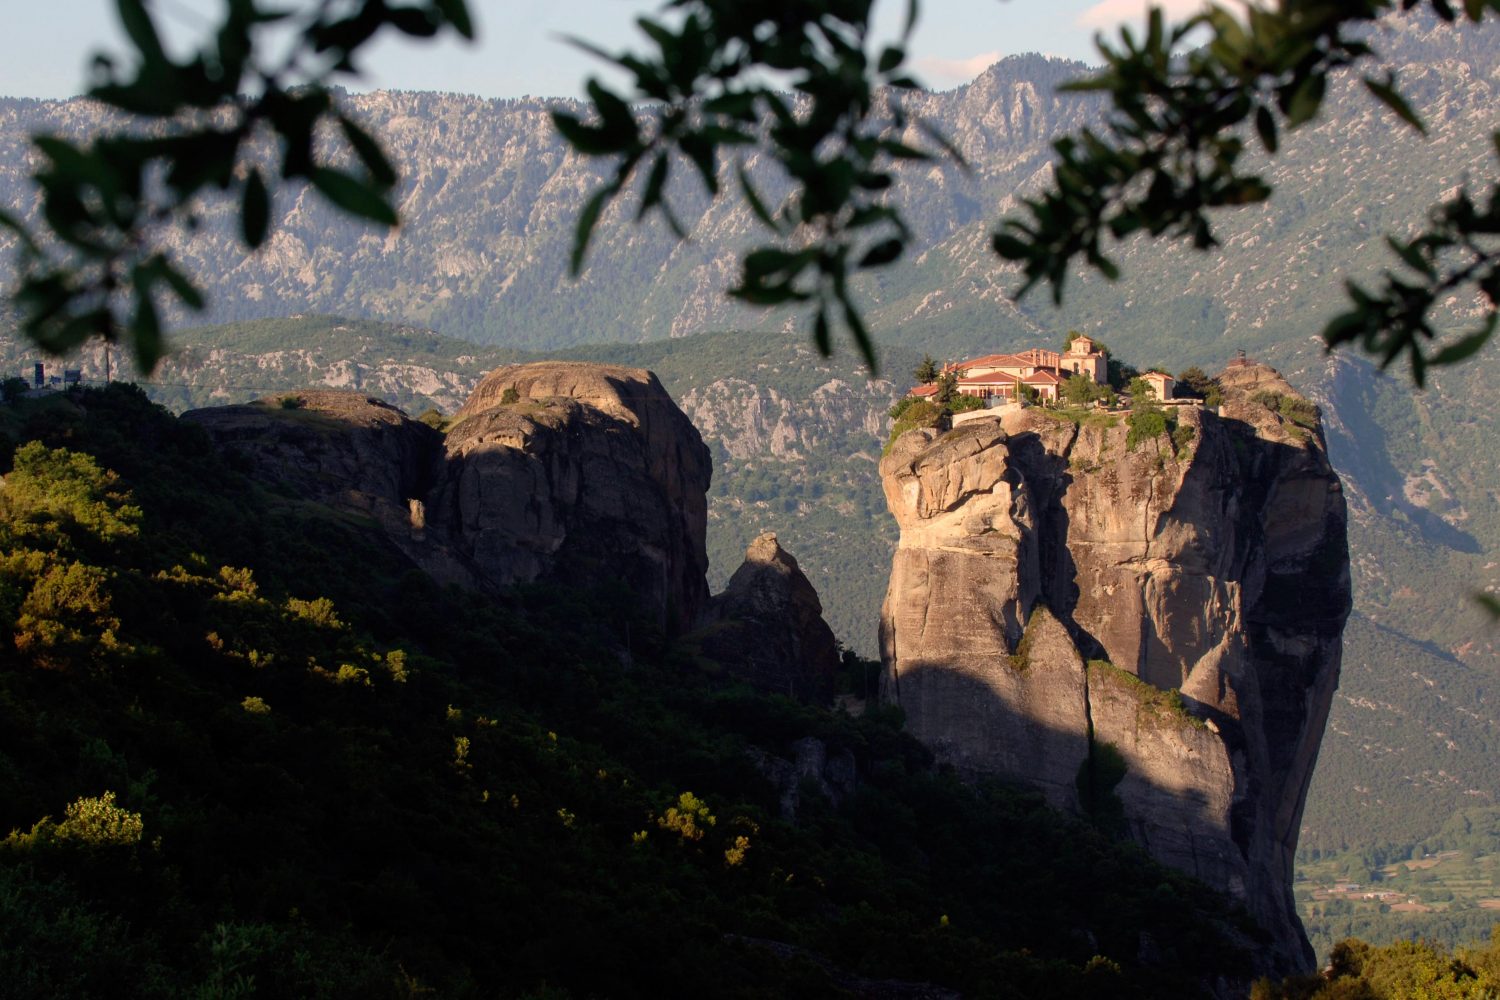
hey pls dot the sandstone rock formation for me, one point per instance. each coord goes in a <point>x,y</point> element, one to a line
<point>1058,596</point>
<point>560,471</point>
<point>573,472</point>
<point>343,449</point>
<point>767,626</point>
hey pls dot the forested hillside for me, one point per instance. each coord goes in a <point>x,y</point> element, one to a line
<point>488,201</point>
<point>246,750</point>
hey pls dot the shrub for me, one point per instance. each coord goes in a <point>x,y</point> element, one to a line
<point>920,413</point>
<point>88,822</point>
<point>1144,425</point>
<point>318,612</point>
<point>689,818</point>
<point>1182,436</point>
<point>963,404</point>
<point>65,498</point>
<point>1293,409</point>
<point>509,396</point>
<point>67,617</point>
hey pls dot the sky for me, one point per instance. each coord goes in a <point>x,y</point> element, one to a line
<point>45,47</point>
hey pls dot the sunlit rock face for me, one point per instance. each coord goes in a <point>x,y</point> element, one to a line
<point>1061,599</point>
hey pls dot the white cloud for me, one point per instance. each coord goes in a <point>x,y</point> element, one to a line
<point>940,72</point>
<point>1109,14</point>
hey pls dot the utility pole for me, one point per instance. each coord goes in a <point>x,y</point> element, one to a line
<point>106,362</point>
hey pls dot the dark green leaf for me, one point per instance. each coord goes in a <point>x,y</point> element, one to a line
<point>857,327</point>
<point>369,152</point>
<point>16,226</point>
<point>586,139</point>
<point>1409,253</point>
<point>934,133</point>
<point>145,328</point>
<point>766,261</point>
<point>752,196</point>
<point>701,152</point>
<point>457,14</point>
<point>412,21</point>
<point>616,121</point>
<point>1265,125</point>
<point>1467,345</point>
<point>186,291</point>
<point>1305,100</point>
<point>255,211</point>
<point>882,253</point>
<point>822,338</point>
<point>1010,247</point>
<point>142,31</point>
<point>1388,95</point>
<point>587,220</point>
<point>353,195</point>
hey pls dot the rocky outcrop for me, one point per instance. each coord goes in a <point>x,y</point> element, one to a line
<point>344,449</point>
<point>575,473</point>
<point>767,626</point>
<point>808,764</point>
<point>1059,596</point>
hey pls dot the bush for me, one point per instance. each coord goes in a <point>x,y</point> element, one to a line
<point>1182,436</point>
<point>1293,409</point>
<point>88,822</point>
<point>963,404</point>
<point>1144,425</point>
<point>919,413</point>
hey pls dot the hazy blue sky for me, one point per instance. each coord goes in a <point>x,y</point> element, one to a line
<point>44,47</point>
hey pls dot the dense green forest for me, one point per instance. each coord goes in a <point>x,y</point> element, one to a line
<point>245,750</point>
<point>1443,888</point>
<point>1405,970</point>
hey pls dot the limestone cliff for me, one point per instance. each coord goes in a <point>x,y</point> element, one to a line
<point>1061,602</point>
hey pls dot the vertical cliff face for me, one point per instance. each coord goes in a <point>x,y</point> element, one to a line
<point>1062,603</point>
